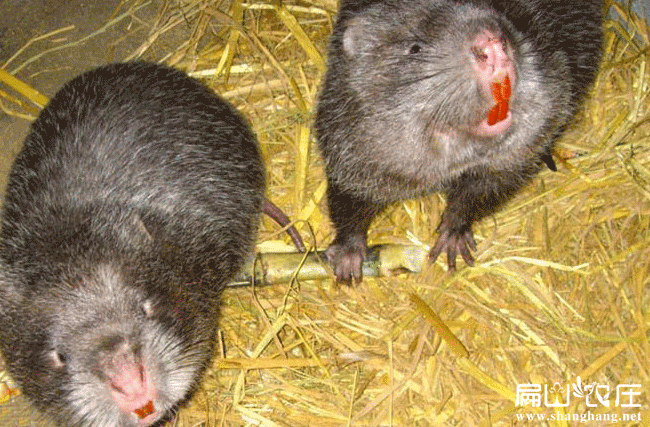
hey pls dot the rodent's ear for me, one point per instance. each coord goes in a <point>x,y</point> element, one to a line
<point>151,227</point>
<point>356,39</point>
<point>141,227</point>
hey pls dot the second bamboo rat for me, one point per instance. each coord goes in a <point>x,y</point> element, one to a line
<point>466,98</point>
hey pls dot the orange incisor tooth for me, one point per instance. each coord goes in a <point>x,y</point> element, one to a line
<point>501,92</point>
<point>503,110</point>
<point>145,411</point>
<point>493,115</point>
<point>506,91</point>
<point>496,91</point>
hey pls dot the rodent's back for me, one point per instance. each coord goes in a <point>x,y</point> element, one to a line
<point>145,136</point>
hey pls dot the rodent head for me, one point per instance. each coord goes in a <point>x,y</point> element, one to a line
<point>110,347</point>
<point>416,60</point>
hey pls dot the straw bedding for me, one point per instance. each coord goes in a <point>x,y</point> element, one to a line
<point>559,293</point>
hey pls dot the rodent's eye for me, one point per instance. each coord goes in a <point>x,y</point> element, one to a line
<point>57,358</point>
<point>415,49</point>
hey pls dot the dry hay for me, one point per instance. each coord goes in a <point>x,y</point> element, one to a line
<point>559,290</point>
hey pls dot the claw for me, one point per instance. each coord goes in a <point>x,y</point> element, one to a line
<point>346,260</point>
<point>454,244</point>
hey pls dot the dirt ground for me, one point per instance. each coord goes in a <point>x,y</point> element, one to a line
<point>22,20</point>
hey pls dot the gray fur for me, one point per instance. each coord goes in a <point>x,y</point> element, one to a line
<point>135,199</point>
<point>394,125</point>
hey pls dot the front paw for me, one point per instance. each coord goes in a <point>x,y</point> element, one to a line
<point>454,243</point>
<point>346,259</point>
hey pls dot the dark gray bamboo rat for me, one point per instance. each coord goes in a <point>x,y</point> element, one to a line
<point>135,199</point>
<point>466,98</point>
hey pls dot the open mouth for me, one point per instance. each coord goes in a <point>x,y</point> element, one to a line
<point>501,92</point>
<point>144,411</point>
